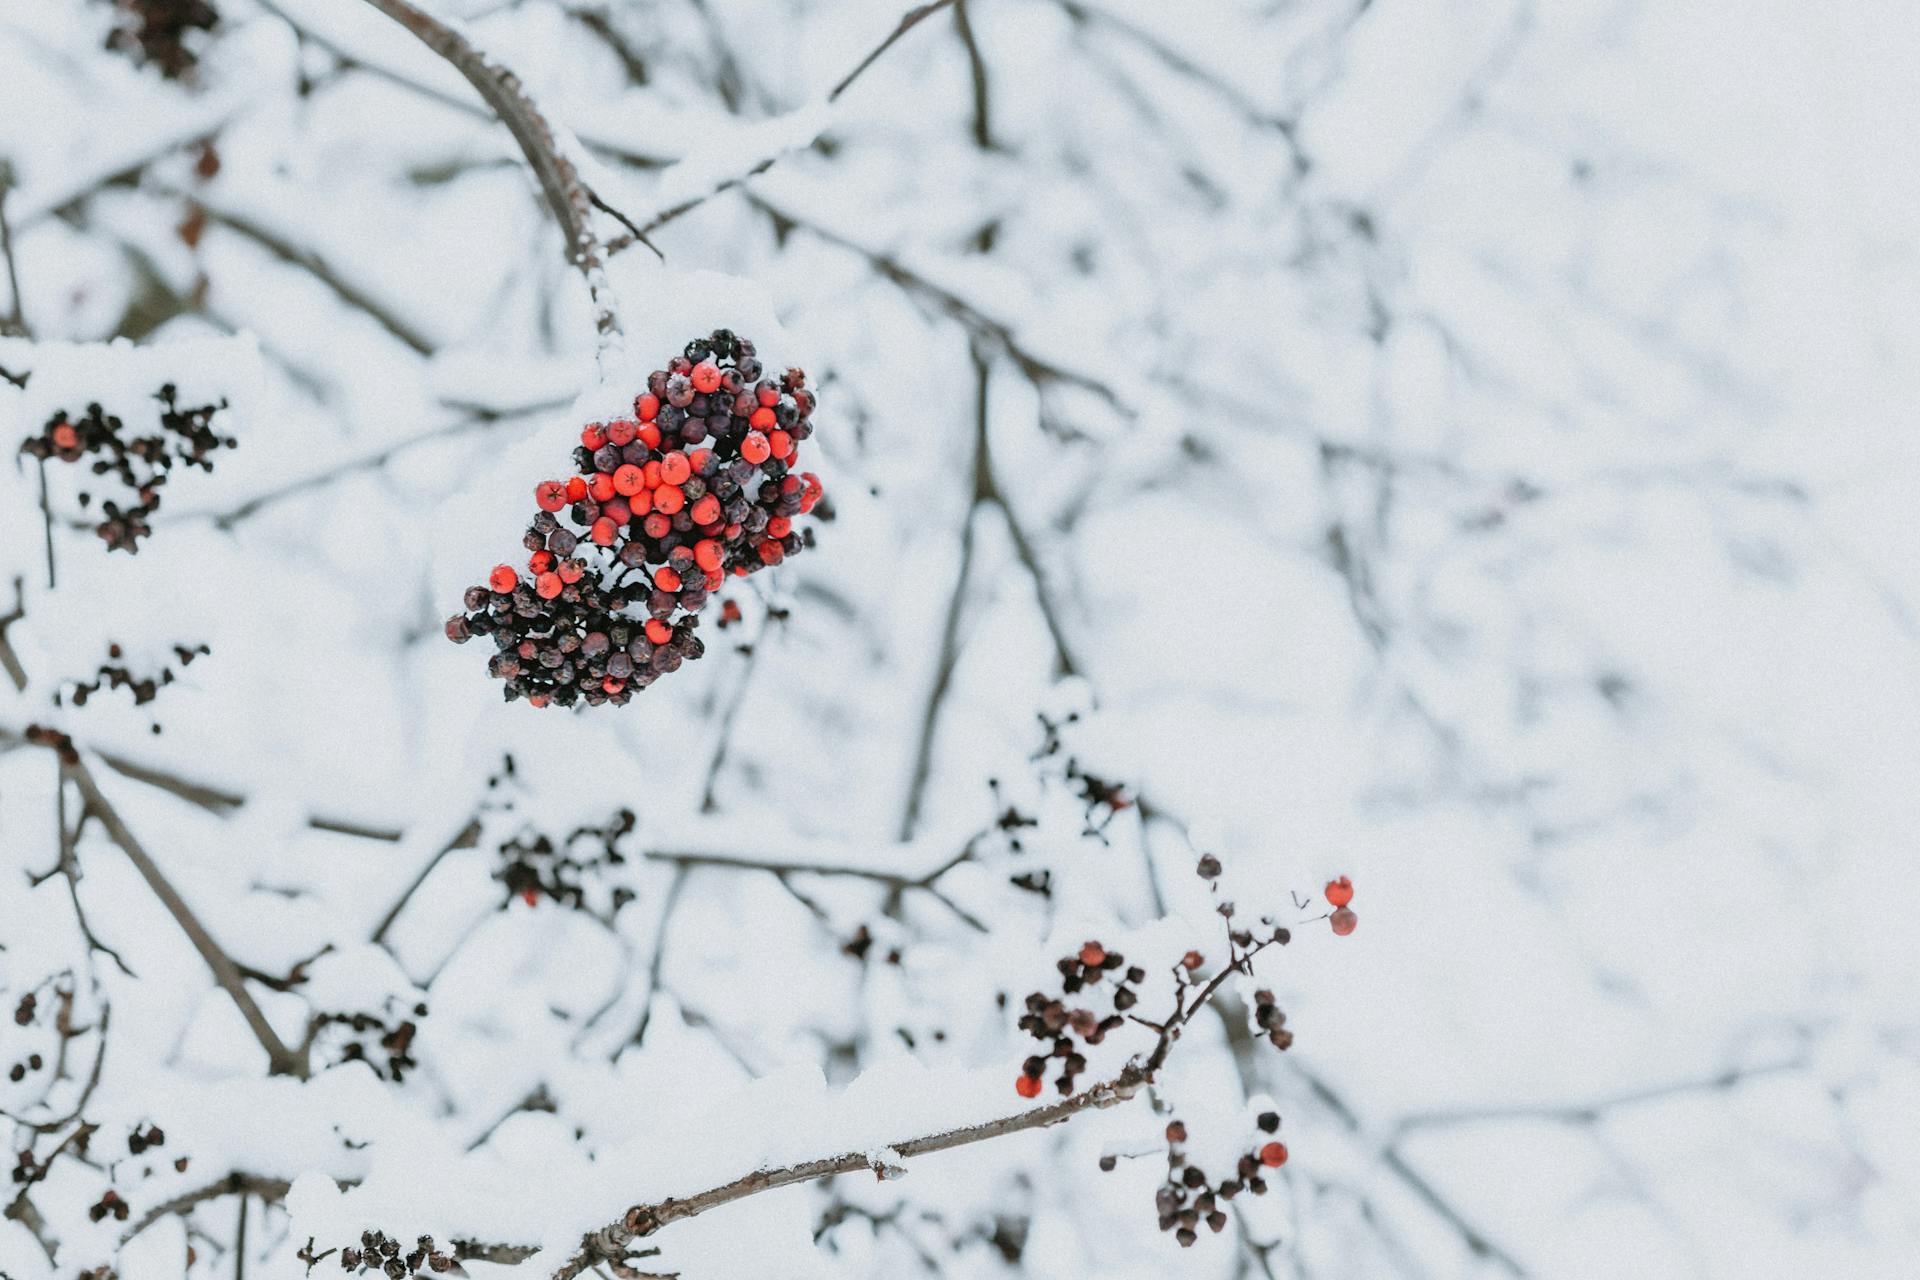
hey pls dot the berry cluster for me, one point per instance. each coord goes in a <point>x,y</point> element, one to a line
<point>367,1032</point>
<point>109,1205</point>
<point>141,463</point>
<point>1340,893</point>
<point>698,485</point>
<point>1050,1021</point>
<point>1188,1197</point>
<point>114,675</point>
<point>160,32</point>
<point>140,1141</point>
<point>18,1071</point>
<point>381,1252</point>
<point>534,864</point>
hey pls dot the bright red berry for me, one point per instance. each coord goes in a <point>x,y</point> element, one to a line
<point>1343,921</point>
<point>706,377</point>
<point>548,585</point>
<point>629,480</point>
<point>762,419</point>
<point>571,570</point>
<point>600,486</point>
<point>781,443</point>
<point>1340,892</point>
<point>621,432</point>
<point>658,631</point>
<point>646,406</point>
<point>1273,1155</point>
<point>576,488</point>
<point>779,527</point>
<point>612,685</point>
<point>503,579</point>
<point>706,552</point>
<point>540,561</point>
<point>707,510</point>
<point>657,525</point>
<point>593,436</point>
<point>550,494</point>
<point>1093,955</point>
<point>529,896</point>
<point>755,448</point>
<point>1027,1086</point>
<point>666,579</point>
<point>65,437</point>
<point>603,531</point>
<point>668,499</point>
<point>674,468</point>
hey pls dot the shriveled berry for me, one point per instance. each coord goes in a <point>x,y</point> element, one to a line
<point>1343,921</point>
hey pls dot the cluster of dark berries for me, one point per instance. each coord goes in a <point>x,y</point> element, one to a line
<point>27,1170</point>
<point>1188,1197</point>
<point>1340,893</point>
<point>1104,798</point>
<point>23,1012</point>
<point>1049,1020</point>
<point>140,1141</point>
<point>368,1034</point>
<point>141,463</point>
<point>114,675</point>
<point>159,33</point>
<point>534,864</point>
<point>110,1205</point>
<point>698,485</point>
<point>18,1071</point>
<point>61,745</point>
<point>380,1252</point>
<point>1270,1018</point>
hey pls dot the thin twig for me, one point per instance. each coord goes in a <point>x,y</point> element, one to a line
<point>559,181</point>
<point>908,20</point>
<point>15,322</point>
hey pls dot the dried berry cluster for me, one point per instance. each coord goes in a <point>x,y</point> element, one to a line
<point>534,864</point>
<point>109,1205</point>
<point>141,463</point>
<point>699,484</point>
<point>368,1033</point>
<point>1188,1197</point>
<point>18,1071</point>
<point>160,33</point>
<point>1050,1021</point>
<point>380,1252</point>
<point>114,675</point>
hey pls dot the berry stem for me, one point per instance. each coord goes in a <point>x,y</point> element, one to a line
<point>559,181</point>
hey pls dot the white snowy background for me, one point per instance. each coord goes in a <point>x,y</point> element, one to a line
<point>1464,446</point>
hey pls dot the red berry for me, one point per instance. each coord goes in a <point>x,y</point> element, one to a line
<point>550,494</point>
<point>529,896</point>
<point>674,468</point>
<point>612,685</point>
<point>770,552</point>
<point>706,377</point>
<point>622,432</point>
<point>503,579</point>
<point>571,570</point>
<point>536,700</point>
<point>600,486</point>
<point>641,502</point>
<point>576,488</point>
<point>540,561</point>
<point>668,499</point>
<point>1192,960</point>
<point>617,510</point>
<point>1027,1086</point>
<point>755,448</point>
<point>652,472</point>
<point>657,525</point>
<point>603,531</point>
<point>1273,1155</point>
<point>706,552</point>
<point>548,585</point>
<point>666,579</point>
<point>65,437</point>
<point>629,480</point>
<point>1343,921</point>
<point>647,406</point>
<point>649,435</point>
<point>707,510</point>
<point>593,436</point>
<point>1340,892</point>
<point>779,527</point>
<point>1093,955</point>
<point>658,631</point>
<point>781,443</point>
<point>762,419</point>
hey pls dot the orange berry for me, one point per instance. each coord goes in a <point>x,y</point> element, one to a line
<point>576,488</point>
<point>674,468</point>
<point>666,579</point>
<point>1027,1086</point>
<point>641,502</point>
<point>1340,892</point>
<point>550,494</point>
<point>593,436</point>
<point>706,377</point>
<point>629,480</point>
<point>600,486</point>
<point>612,685</point>
<point>1343,921</point>
<point>658,631</point>
<point>647,406</point>
<point>503,579</point>
<point>548,585</point>
<point>649,435</point>
<point>781,444</point>
<point>1093,955</point>
<point>65,437</point>
<point>1273,1155</point>
<point>707,553</point>
<point>652,470</point>
<point>779,527</point>
<point>536,700</point>
<point>603,531</point>
<point>707,510</point>
<point>762,419</point>
<point>540,561</point>
<point>668,499</point>
<point>755,448</point>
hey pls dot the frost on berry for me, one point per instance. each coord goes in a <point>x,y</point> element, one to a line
<point>142,465</point>
<point>700,485</point>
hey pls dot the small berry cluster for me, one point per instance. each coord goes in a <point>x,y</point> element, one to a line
<point>141,463</point>
<point>534,864</point>
<point>18,1071</point>
<point>24,1011</point>
<point>1188,1197</point>
<point>380,1252</point>
<point>114,675</point>
<point>160,33</point>
<point>141,1141</point>
<point>1340,893</point>
<point>110,1205</point>
<point>366,1032</point>
<point>698,485</point>
<point>1050,1021</point>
